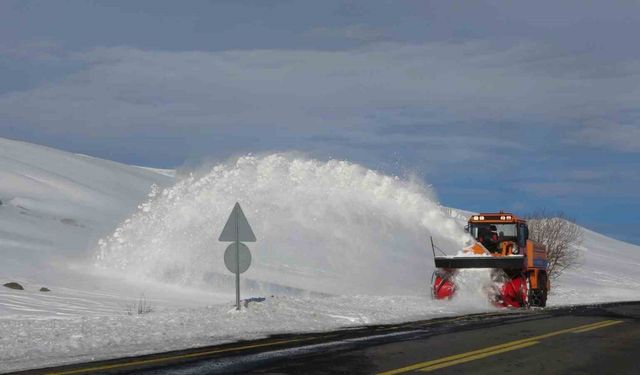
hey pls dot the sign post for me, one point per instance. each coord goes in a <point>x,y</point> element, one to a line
<point>237,257</point>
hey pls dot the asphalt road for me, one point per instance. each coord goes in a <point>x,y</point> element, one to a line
<point>594,339</point>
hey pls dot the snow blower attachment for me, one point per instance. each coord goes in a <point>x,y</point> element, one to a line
<point>518,265</point>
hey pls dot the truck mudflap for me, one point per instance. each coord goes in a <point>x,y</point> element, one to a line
<point>454,262</point>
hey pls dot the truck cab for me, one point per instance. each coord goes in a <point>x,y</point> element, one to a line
<point>500,233</point>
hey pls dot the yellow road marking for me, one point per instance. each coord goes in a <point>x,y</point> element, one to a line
<point>605,324</point>
<point>455,357</point>
<point>443,362</point>
<point>200,354</point>
<point>478,356</point>
<point>170,358</point>
<point>495,348</point>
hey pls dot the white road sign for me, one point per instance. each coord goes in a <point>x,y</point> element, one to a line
<point>237,227</point>
<point>237,257</point>
<point>244,258</point>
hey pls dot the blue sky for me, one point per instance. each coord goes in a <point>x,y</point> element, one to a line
<point>498,105</point>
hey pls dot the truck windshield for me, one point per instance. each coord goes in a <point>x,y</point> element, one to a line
<point>508,231</point>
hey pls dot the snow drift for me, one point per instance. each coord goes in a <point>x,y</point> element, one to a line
<point>330,227</point>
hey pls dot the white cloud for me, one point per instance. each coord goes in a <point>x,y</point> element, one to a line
<point>316,92</point>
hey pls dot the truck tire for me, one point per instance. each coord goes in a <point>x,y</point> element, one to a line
<point>537,297</point>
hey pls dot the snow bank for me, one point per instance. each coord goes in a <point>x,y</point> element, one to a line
<point>25,344</point>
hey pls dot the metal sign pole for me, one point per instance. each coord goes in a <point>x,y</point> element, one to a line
<point>237,264</point>
<point>237,257</point>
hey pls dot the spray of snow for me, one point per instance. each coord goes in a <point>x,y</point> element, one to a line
<point>473,288</point>
<point>331,227</point>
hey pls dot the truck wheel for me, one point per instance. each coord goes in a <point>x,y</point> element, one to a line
<point>537,297</point>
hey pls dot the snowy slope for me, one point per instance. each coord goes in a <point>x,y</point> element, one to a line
<point>55,205</point>
<point>338,245</point>
<point>607,271</point>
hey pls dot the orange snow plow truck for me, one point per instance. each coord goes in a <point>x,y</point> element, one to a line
<point>518,265</point>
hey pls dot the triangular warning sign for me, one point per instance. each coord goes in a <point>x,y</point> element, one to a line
<point>237,227</point>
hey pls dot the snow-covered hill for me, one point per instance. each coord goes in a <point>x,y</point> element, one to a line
<point>338,245</point>
<point>607,271</point>
<point>55,204</point>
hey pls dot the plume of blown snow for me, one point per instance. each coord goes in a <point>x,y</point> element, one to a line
<point>330,227</point>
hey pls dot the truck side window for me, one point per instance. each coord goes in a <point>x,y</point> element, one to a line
<point>523,234</point>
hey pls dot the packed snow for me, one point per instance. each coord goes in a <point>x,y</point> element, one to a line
<point>338,245</point>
